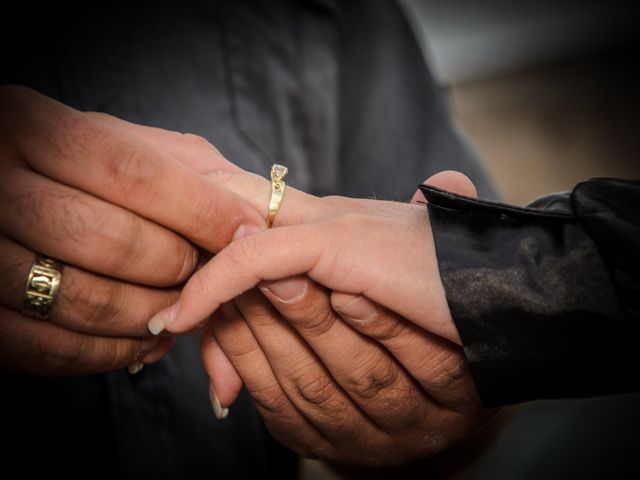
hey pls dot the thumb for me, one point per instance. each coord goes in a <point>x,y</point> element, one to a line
<point>451,181</point>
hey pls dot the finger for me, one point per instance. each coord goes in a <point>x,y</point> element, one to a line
<point>165,345</point>
<point>365,370</point>
<point>225,381</point>
<point>297,206</point>
<point>77,228</point>
<point>36,347</point>
<point>192,150</point>
<point>317,249</point>
<point>437,364</point>
<point>283,420</point>
<point>85,302</point>
<point>302,375</point>
<point>451,181</point>
<point>117,166</point>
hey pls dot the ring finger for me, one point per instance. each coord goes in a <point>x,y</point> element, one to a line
<point>85,302</point>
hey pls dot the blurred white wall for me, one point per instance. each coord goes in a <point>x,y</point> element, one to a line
<point>471,39</point>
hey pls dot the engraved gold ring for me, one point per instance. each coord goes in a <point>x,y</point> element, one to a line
<point>42,285</point>
<point>278,172</point>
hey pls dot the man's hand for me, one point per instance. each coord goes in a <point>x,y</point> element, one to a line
<point>335,375</point>
<point>114,202</point>
<point>339,378</point>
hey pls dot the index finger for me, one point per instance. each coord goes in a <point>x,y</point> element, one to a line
<point>122,168</point>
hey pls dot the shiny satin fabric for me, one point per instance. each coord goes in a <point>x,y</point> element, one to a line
<point>540,294</point>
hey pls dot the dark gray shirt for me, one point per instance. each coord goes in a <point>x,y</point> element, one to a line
<point>337,91</point>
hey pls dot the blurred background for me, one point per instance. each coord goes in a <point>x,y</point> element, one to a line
<point>549,94</point>
<point>547,90</point>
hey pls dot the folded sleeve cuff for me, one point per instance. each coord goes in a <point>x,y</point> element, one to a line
<point>531,298</point>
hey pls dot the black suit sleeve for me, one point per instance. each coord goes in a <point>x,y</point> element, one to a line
<point>546,298</point>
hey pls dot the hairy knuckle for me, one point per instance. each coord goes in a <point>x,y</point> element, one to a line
<point>79,133</point>
<point>34,203</point>
<point>130,172</point>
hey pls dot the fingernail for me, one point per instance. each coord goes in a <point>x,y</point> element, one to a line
<point>135,367</point>
<point>149,343</point>
<point>218,411</point>
<point>290,290</point>
<point>163,318</point>
<point>245,230</point>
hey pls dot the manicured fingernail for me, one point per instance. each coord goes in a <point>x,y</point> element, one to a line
<point>290,290</point>
<point>218,411</point>
<point>163,318</point>
<point>149,343</point>
<point>135,367</point>
<point>245,230</point>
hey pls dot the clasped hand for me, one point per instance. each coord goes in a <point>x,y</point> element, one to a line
<point>335,319</point>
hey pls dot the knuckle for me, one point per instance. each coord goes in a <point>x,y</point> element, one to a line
<point>314,319</point>
<point>272,399</point>
<point>445,368</point>
<point>196,140</point>
<point>240,254</point>
<point>78,132</point>
<point>122,235</point>
<point>385,328</point>
<point>320,391</point>
<point>130,172</point>
<point>316,388</point>
<point>90,304</point>
<point>379,324</point>
<point>374,377</point>
<point>198,287</point>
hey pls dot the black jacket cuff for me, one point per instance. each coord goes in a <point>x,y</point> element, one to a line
<point>532,299</point>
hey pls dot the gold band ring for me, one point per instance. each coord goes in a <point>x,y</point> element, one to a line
<point>42,286</point>
<point>278,172</point>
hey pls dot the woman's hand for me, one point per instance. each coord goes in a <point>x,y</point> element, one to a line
<point>381,250</point>
<point>335,375</point>
<point>114,202</point>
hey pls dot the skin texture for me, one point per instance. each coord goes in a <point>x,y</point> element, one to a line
<point>112,202</point>
<point>335,374</point>
<point>357,359</point>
